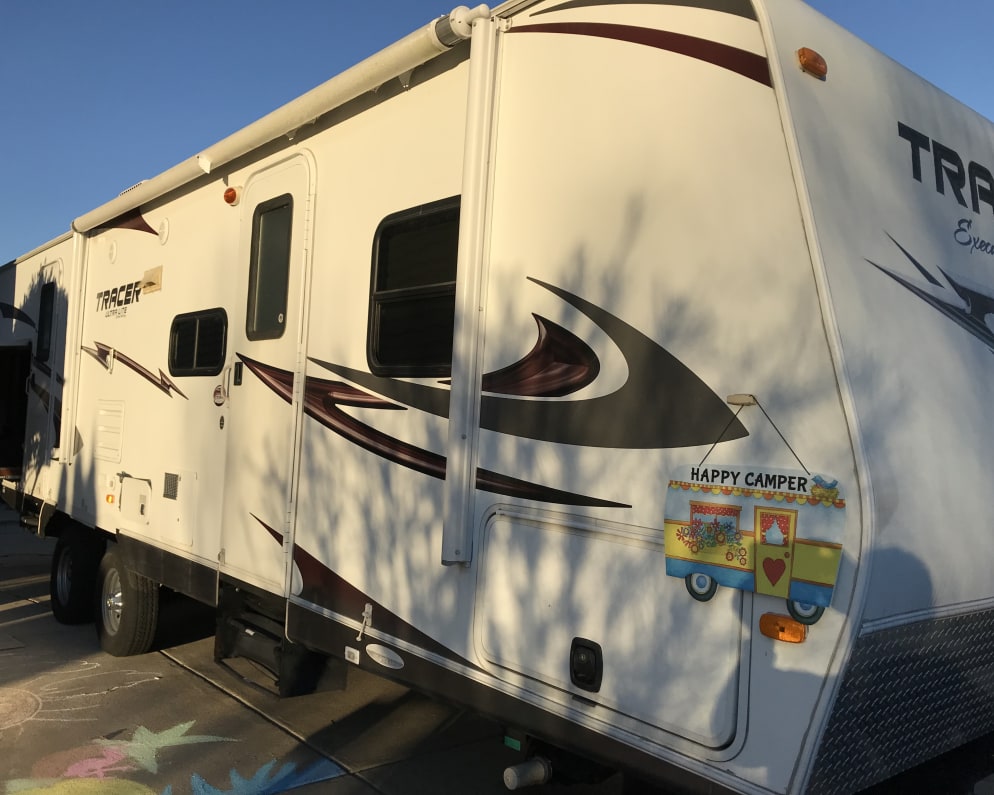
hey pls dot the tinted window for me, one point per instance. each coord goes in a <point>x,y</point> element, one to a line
<point>269,269</point>
<point>46,316</point>
<point>412,301</point>
<point>197,343</point>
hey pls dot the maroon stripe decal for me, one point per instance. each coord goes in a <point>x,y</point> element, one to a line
<point>321,403</point>
<point>745,63</point>
<point>130,220</point>
<point>559,364</point>
<point>324,588</point>
<point>741,8</point>
<point>103,353</point>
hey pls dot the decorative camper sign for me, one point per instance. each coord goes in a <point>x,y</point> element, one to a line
<point>774,532</point>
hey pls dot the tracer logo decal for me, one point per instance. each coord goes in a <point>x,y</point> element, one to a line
<point>115,301</point>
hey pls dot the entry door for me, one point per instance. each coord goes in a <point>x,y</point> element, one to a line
<point>264,342</point>
<point>44,384</point>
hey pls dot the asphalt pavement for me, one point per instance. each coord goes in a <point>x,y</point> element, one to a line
<point>76,721</point>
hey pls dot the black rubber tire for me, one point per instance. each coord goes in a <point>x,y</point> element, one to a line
<point>126,607</point>
<point>74,576</point>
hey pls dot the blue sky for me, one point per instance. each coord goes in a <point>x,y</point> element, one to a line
<point>96,96</point>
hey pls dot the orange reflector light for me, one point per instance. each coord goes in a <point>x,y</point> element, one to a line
<point>110,498</point>
<point>812,63</point>
<point>231,196</point>
<point>782,628</point>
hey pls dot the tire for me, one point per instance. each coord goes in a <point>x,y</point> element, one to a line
<point>701,586</point>
<point>126,607</point>
<point>804,613</point>
<point>74,577</point>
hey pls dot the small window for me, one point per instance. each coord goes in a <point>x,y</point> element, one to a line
<point>412,301</point>
<point>197,343</point>
<point>269,269</point>
<point>46,317</point>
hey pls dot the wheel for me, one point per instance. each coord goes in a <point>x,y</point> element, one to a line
<point>700,586</point>
<point>127,607</point>
<point>74,577</point>
<point>803,612</point>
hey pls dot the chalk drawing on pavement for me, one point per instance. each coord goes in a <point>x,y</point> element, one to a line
<point>17,706</point>
<point>106,766</point>
<point>62,694</point>
<point>262,783</point>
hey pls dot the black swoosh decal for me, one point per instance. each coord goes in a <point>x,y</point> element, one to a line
<point>969,312</point>
<point>11,312</point>
<point>662,405</point>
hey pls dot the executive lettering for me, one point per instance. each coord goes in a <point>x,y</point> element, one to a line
<point>971,184</point>
<point>124,295</point>
<point>965,237</point>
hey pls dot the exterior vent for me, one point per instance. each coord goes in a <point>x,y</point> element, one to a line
<point>133,187</point>
<point>170,488</point>
<point>109,436</point>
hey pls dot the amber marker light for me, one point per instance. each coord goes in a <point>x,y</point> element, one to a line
<point>782,628</point>
<point>812,63</point>
<point>110,499</point>
<point>231,196</point>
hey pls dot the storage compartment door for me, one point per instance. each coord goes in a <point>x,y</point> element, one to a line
<point>549,589</point>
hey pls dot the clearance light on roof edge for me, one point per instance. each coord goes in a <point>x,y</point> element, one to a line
<point>782,628</point>
<point>812,63</point>
<point>232,195</point>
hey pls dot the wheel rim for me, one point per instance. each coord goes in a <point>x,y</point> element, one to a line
<point>804,612</point>
<point>112,602</point>
<point>701,586</point>
<point>63,577</point>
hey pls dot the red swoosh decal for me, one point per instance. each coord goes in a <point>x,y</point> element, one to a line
<point>102,353</point>
<point>325,588</point>
<point>559,364</point>
<point>742,62</point>
<point>321,402</point>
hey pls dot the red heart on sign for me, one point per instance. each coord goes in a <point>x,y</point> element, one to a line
<point>774,569</point>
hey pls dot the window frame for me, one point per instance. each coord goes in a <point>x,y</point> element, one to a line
<point>46,321</point>
<point>427,291</point>
<point>256,330</point>
<point>193,370</point>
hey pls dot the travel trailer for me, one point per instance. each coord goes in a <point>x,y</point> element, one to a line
<point>616,369</point>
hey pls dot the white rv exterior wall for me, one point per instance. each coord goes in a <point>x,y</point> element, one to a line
<point>918,380</point>
<point>140,427</point>
<point>376,524</point>
<point>905,266</point>
<point>658,187</point>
